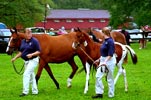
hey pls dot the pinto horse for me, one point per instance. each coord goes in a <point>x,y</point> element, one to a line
<point>92,53</point>
<point>54,49</point>
<point>116,36</point>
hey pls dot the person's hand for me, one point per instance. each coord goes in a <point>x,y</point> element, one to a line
<point>103,64</point>
<point>29,56</point>
<point>13,59</point>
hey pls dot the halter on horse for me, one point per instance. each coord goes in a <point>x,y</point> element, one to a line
<point>92,49</point>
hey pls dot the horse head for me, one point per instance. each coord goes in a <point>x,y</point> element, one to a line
<point>14,42</point>
<point>82,38</point>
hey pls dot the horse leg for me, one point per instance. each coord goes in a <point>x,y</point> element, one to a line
<point>42,65</point>
<point>125,79</point>
<point>87,77</point>
<point>121,70</point>
<point>40,68</point>
<point>74,69</point>
<point>47,68</point>
<point>118,73</point>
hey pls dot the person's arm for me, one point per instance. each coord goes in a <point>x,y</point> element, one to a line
<point>33,54</point>
<point>110,52</point>
<point>17,56</point>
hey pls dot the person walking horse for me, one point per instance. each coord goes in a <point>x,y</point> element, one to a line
<point>107,59</point>
<point>29,51</point>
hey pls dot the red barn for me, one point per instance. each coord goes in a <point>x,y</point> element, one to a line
<point>82,18</point>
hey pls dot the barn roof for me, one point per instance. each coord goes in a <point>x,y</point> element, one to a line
<point>83,13</point>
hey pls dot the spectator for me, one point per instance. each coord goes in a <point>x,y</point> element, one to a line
<point>142,41</point>
<point>62,31</point>
<point>51,31</point>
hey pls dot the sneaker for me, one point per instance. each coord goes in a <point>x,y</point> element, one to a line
<point>34,93</point>
<point>22,95</point>
<point>97,96</point>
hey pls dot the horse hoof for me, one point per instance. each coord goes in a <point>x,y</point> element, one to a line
<point>69,86</point>
<point>85,92</point>
<point>126,90</point>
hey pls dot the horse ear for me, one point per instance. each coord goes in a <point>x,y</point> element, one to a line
<point>79,29</point>
<point>13,30</point>
<point>75,30</point>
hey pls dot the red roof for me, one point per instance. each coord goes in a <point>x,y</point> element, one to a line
<point>80,14</point>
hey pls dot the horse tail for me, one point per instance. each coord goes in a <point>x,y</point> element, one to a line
<point>132,53</point>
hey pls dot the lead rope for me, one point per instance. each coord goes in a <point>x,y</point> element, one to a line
<point>106,69</point>
<point>21,70</point>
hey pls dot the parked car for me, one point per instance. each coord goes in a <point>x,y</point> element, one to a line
<point>5,34</point>
<point>3,26</point>
<point>37,30</point>
<point>4,39</point>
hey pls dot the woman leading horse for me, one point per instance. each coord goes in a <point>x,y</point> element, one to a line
<point>91,52</point>
<point>56,49</point>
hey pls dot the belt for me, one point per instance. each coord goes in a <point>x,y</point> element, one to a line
<point>31,58</point>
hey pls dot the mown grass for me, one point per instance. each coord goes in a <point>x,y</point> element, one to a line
<point>138,81</point>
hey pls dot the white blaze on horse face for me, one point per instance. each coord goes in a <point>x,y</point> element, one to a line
<point>85,43</point>
<point>73,45</point>
<point>8,44</point>
<point>91,37</point>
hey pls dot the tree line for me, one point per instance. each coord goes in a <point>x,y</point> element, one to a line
<point>27,12</point>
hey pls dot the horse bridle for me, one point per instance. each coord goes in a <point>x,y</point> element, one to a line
<point>77,45</point>
<point>94,61</point>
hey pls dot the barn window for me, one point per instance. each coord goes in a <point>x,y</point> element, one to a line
<point>69,20</point>
<point>56,20</point>
<point>80,20</point>
<point>102,20</point>
<point>91,20</point>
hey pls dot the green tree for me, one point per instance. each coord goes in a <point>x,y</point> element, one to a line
<point>22,12</point>
<point>122,10</point>
<point>75,4</point>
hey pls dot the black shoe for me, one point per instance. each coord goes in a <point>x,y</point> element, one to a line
<point>23,94</point>
<point>97,96</point>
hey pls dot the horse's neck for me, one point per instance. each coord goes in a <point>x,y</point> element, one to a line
<point>21,35</point>
<point>92,45</point>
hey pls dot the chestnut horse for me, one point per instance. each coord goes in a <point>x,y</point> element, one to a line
<point>117,36</point>
<point>54,49</point>
<point>92,51</point>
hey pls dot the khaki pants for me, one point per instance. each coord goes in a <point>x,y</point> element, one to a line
<point>29,76</point>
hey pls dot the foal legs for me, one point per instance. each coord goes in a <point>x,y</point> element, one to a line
<point>87,77</point>
<point>74,69</point>
<point>121,70</point>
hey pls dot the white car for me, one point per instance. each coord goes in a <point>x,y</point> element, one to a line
<point>37,30</point>
<point>5,34</point>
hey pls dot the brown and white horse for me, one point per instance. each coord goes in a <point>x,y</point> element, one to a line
<point>91,51</point>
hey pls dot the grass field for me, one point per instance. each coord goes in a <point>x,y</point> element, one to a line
<point>138,76</point>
